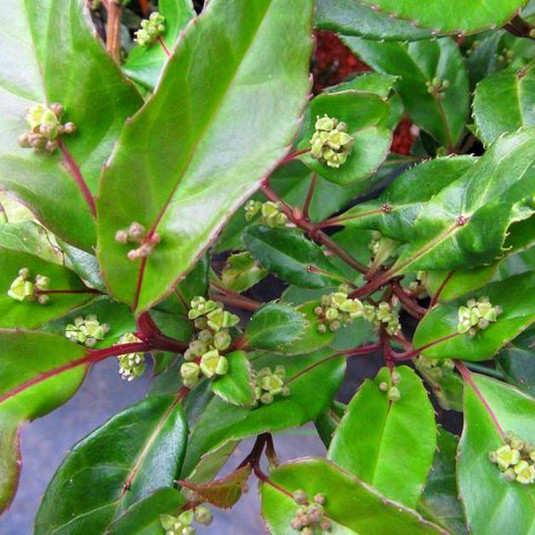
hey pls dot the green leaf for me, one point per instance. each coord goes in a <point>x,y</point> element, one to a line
<point>133,454</point>
<point>438,329</point>
<point>395,211</point>
<point>143,518</point>
<point>312,379</point>
<point>396,440</point>
<point>517,361</point>
<point>70,67</point>
<point>452,16</point>
<point>31,314</point>
<point>492,504</point>
<point>225,491</point>
<point>84,264</point>
<point>465,225</point>
<point>143,64</point>
<point>50,372</point>
<point>353,17</point>
<point>352,507</point>
<point>237,55</point>
<point>235,386</point>
<point>439,502</point>
<point>503,103</point>
<point>275,326</point>
<point>291,256</point>
<point>241,272</point>
<point>366,115</point>
<point>118,317</point>
<point>443,116</point>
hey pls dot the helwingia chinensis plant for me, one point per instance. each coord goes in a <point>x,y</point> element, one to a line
<point>195,211</point>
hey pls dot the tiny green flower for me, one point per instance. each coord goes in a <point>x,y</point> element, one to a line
<point>190,373</point>
<point>87,331</point>
<point>150,30</point>
<point>525,473</point>
<point>212,363</point>
<point>476,315</point>
<point>394,394</point>
<point>330,143</point>
<point>203,515</point>
<point>131,365</point>
<point>507,456</point>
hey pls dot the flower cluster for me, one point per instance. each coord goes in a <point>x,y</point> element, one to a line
<point>331,143</point>
<point>437,86</point>
<point>337,309</point>
<point>269,212</point>
<point>311,515</point>
<point>516,459</point>
<point>383,315</point>
<point>131,365</point>
<point>87,331</point>
<point>150,30</point>
<point>435,368</point>
<point>182,524</point>
<point>392,391</point>
<point>268,384</point>
<point>23,289</point>
<point>45,128</point>
<point>203,355</point>
<point>477,316</point>
<point>137,233</point>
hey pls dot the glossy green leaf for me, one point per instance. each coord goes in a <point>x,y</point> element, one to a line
<point>465,225</point>
<point>237,52</point>
<point>274,326</point>
<point>291,256</point>
<point>443,116</point>
<point>133,454</point>
<point>494,505</point>
<point>366,115</point>
<point>70,67</point>
<point>117,316</point>
<point>30,314</point>
<point>352,507</point>
<point>50,372</point>
<point>143,64</point>
<point>143,518</point>
<point>311,392</point>
<point>389,445</point>
<point>327,422</point>
<point>452,16</point>
<point>241,272</point>
<point>517,361</point>
<point>503,103</point>
<point>439,502</point>
<point>354,17</point>
<point>84,264</point>
<point>395,211</point>
<point>438,329</point>
<point>235,386</point>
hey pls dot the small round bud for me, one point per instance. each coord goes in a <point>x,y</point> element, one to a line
<point>300,497</point>
<point>69,128</point>
<point>57,109</point>
<point>394,394</point>
<point>43,299</point>
<point>320,499</point>
<point>396,378</point>
<point>383,386</point>
<point>203,515</point>
<point>121,236</point>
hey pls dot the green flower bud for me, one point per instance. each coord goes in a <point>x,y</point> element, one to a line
<point>507,456</point>
<point>330,143</point>
<point>221,319</point>
<point>150,30</point>
<point>222,340</point>
<point>525,473</point>
<point>383,386</point>
<point>394,394</point>
<point>190,371</point>
<point>87,331</point>
<point>396,378</point>
<point>203,515</point>
<point>131,365</point>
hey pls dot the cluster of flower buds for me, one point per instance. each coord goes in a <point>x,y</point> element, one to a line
<point>23,289</point>
<point>477,316</point>
<point>516,459</point>
<point>311,515</point>
<point>87,331</point>
<point>437,86</point>
<point>375,242</point>
<point>417,284</point>
<point>392,391</point>
<point>182,524</point>
<point>137,233</point>
<point>337,309</point>
<point>383,315</point>
<point>434,368</point>
<point>203,355</point>
<point>269,212</point>
<point>331,143</point>
<point>150,30</point>
<point>269,384</point>
<point>131,365</point>
<point>45,128</point>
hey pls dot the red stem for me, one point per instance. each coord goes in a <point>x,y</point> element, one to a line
<point>77,175</point>
<point>81,291</point>
<point>410,305</point>
<point>164,46</point>
<point>292,156</point>
<point>438,293</point>
<point>415,352</point>
<point>310,194</point>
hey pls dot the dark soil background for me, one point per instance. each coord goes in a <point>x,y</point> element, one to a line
<point>46,441</point>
